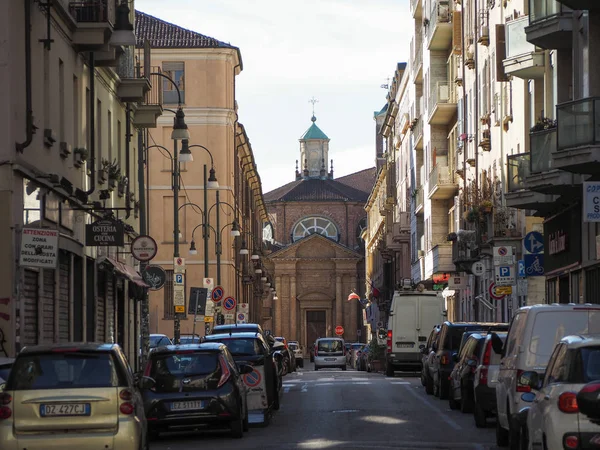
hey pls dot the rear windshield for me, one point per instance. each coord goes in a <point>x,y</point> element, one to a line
<point>586,365</point>
<point>549,328</point>
<point>65,370</point>
<point>241,347</point>
<point>454,337</point>
<point>236,329</point>
<point>293,346</point>
<point>156,341</point>
<point>330,346</point>
<point>189,340</point>
<point>167,366</point>
<point>4,371</point>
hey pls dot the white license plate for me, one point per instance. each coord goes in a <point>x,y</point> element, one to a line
<point>405,345</point>
<point>185,406</point>
<point>65,409</point>
<point>330,359</point>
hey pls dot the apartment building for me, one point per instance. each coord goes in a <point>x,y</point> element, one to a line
<point>68,177</point>
<point>203,70</point>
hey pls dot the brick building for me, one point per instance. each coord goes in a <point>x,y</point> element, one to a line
<point>316,254</point>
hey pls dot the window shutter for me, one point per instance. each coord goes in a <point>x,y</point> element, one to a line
<point>500,53</point>
<point>457,33</point>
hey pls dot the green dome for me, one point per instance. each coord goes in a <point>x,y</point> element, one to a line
<point>314,132</point>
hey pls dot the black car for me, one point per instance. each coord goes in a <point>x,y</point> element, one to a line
<point>461,393</point>
<point>194,385</point>
<point>252,349</point>
<point>243,328</point>
<point>449,341</point>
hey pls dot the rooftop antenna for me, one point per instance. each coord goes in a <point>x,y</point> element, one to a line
<point>313,100</point>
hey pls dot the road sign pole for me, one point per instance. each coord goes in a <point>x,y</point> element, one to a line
<point>195,314</point>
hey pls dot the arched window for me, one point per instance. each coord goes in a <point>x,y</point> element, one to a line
<point>312,225</point>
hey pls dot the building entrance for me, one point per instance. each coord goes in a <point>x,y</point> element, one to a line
<point>316,326</point>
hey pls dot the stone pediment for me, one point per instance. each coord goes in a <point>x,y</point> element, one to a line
<point>315,246</point>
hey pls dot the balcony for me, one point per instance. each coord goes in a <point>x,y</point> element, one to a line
<point>518,194</point>
<point>399,233</point>
<point>550,25</point>
<point>442,104</point>
<point>94,24</point>
<point>417,64</point>
<point>148,111</point>
<point>441,183</point>
<point>590,5</point>
<point>440,26</point>
<point>131,88</point>
<point>517,171</point>
<point>416,8</point>
<point>522,59</point>
<point>544,176</point>
<point>439,259</point>
<point>417,134</point>
<point>464,250</point>
<point>419,200</point>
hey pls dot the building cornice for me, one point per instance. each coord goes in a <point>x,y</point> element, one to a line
<point>202,116</point>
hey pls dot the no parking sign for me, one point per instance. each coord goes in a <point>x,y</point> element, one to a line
<point>257,394</point>
<point>229,303</point>
<point>241,318</point>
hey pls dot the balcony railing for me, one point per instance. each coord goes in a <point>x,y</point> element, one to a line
<point>440,176</point>
<point>417,131</point>
<point>440,93</point>
<point>93,11</point>
<point>518,170</point>
<point>155,95</point>
<point>542,145</point>
<point>419,198</point>
<point>440,13</point>
<point>543,9</point>
<point>417,61</point>
<point>516,38</point>
<point>578,122</point>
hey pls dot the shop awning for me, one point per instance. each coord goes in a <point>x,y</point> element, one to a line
<point>125,270</point>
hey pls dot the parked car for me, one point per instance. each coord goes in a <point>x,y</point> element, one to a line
<point>298,352</point>
<point>330,352</point>
<point>428,353</point>
<point>252,348</point>
<point>534,331</point>
<point>5,366</point>
<point>588,402</point>
<point>353,353</point>
<point>290,358</point>
<point>70,395</point>
<point>461,394</point>
<point>194,385</point>
<point>412,314</point>
<point>449,340</point>
<point>485,380</point>
<point>158,340</point>
<point>312,353</point>
<point>243,328</point>
<point>553,415</point>
<point>189,339</point>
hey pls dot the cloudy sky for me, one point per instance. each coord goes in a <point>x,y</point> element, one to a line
<point>339,51</point>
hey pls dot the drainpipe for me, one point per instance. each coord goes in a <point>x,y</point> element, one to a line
<point>464,118</point>
<point>127,162</point>
<point>29,127</point>
<point>92,124</point>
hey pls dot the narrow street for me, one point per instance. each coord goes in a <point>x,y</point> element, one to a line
<point>332,409</point>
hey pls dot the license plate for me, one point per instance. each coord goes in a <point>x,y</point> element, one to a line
<point>185,406</point>
<point>329,359</point>
<point>65,409</point>
<point>405,344</point>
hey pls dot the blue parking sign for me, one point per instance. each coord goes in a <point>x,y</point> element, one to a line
<point>521,268</point>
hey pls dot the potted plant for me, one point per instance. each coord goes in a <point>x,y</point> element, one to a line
<point>80,155</point>
<point>485,206</point>
<point>543,124</point>
<point>103,171</point>
<point>376,355</point>
<point>114,174</point>
<point>472,215</point>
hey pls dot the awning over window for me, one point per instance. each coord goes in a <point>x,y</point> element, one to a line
<point>125,270</point>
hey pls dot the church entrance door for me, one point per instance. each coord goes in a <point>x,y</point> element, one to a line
<point>316,326</point>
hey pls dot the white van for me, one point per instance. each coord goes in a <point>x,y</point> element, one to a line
<point>533,333</point>
<point>413,314</point>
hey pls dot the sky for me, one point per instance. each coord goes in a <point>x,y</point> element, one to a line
<point>338,51</point>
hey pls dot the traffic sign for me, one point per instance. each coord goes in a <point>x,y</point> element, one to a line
<point>178,279</point>
<point>179,295</point>
<point>252,379</point>
<point>208,283</point>
<point>180,309</point>
<point>209,319</point>
<point>534,265</point>
<point>241,318</point>
<point>505,275</point>
<point>503,290</point>
<point>229,316</point>
<point>244,307</point>
<point>217,293</point>
<point>197,303</point>
<point>534,242</point>
<point>229,303</point>
<point>493,294</point>
<point>478,268</point>
<point>155,277</point>
<point>144,248</point>
<point>339,330</point>
<point>503,256</point>
<point>178,265</point>
<point>521,268</point>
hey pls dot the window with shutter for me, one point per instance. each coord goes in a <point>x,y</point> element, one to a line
<point>169,309</point>
<point>176,71</point>
<point>500,52</point>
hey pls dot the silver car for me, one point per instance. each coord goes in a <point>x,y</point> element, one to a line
<point>298,352</point>
<point>330,352</point>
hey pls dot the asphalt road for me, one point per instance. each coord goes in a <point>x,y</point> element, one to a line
<point>334,409</point>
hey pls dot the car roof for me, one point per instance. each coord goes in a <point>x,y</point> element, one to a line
<point>207,346</point>
<point>541,307</point>
<point>233,326</point>
<point>581,340</point>
<point>244,335</point>
<point>158,334</point>
<point>84,346</point>
<point>334,337</point>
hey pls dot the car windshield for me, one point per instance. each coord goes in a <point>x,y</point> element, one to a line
<point>72,369</point>
<point>587,365</point>
<point>330,346</point>
<point>241,347</point>
<point>155,341</point>
<point>189,340</point>
<point>4,371</point>
<point>166,366</point>
<point>293,346</point>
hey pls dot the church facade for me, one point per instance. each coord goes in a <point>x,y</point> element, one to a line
<point>316,256</point>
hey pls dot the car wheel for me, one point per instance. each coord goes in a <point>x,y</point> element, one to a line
<point>316,367</point>
<point>343,367</point>
<point>246,422</point>
<point>428,385</point>
<point>451,401</point>
<point>152,435</point>
<point>276,401</point>
<point>465,401</point>
<point>524,440</point>
<point>389,370</point>
<point>501,435</point>
<point>479,416</point>
<point>514,436</point>
<point>237,425</point>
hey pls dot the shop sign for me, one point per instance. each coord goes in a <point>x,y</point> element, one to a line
<point>557,242</point>
<point>562,240</point>
<point>591,201</point>
<point>144,248</point>
<point>105,233</point>
<point>155,277</point>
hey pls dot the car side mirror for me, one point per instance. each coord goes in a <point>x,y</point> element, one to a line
<point>471,363</point>
<point>422,347</point>
<point>434,347</point>
<point>530,378</point>
<point>146,383</point>
<point>497,344</point>
<point>245,369</point>
<point>455,357</point>
<point>588,403</point>
<point>137,377</point>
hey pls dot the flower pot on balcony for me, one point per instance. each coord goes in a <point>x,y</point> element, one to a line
<point>102,176</point>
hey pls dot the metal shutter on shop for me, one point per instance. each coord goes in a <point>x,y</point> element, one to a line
<point>110,310</point>
<point>100,307</point>
<point>48,307</point>
<point>29,313</point>
<point>64,289</point>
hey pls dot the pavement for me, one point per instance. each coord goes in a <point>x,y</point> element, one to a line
<point>334,409</point>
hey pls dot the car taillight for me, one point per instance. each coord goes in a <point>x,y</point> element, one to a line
<point>571,441</point>
<point>567,402</point>
<point>520,386</point>
<point>389,341</point>
<point>126,395</point>
<point>316,352</point>
<point>225,373</point>
<point>5,411</point>
<point>488,354</point>
<point>444,360</point>
<point>148,368</point>
<point>5,399</point>
<point>126,408</point>
<point>483,375</point>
